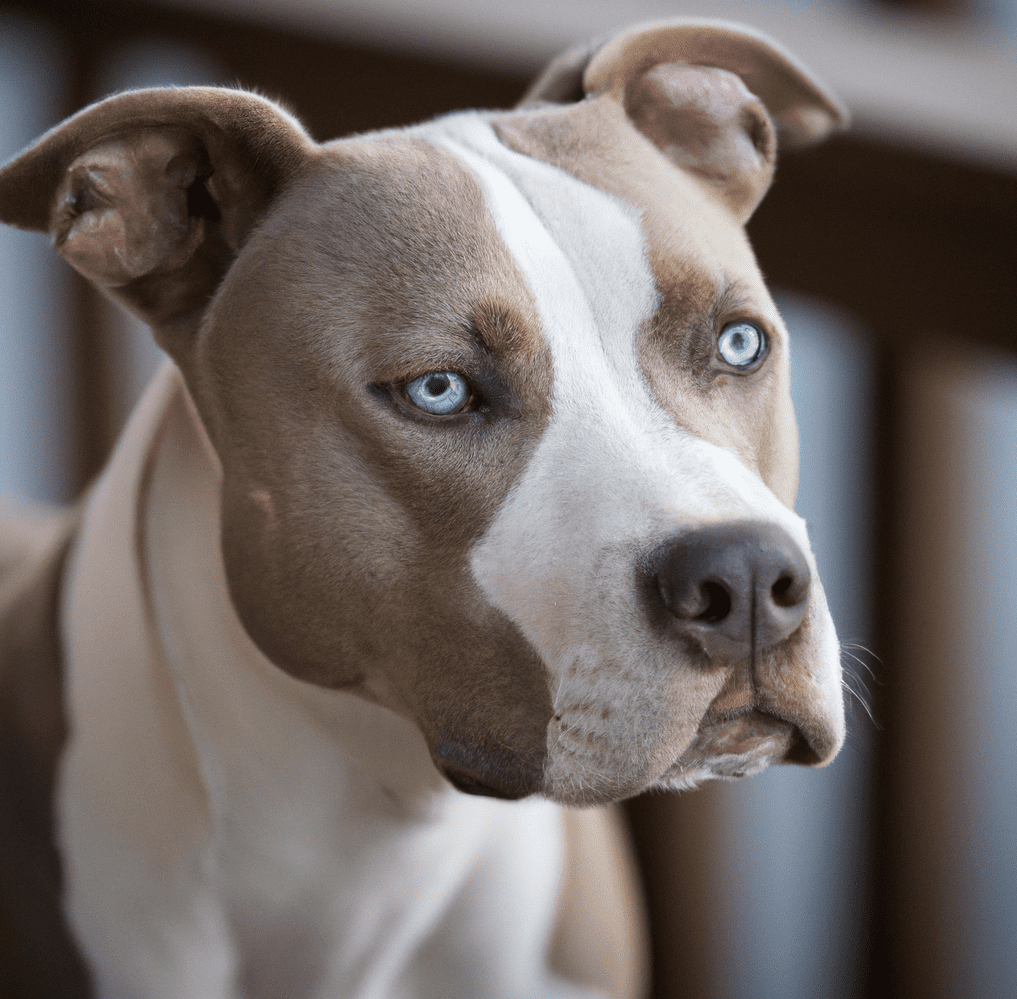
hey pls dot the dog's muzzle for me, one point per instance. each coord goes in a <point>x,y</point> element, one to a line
<point>734,591</point>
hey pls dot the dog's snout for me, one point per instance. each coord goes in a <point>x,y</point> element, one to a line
<point>733,587</point>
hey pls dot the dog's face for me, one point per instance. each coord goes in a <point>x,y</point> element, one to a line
<point>501,403</point>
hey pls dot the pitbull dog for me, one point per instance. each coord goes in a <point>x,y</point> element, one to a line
<point>473,471</point>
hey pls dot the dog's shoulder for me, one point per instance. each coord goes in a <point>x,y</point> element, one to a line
<point>28,534</point>
<point>33,728</point>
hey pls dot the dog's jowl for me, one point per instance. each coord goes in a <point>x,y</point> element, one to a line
<point>473,471</point>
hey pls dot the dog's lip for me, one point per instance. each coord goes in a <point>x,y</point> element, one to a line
<point>741,732</point>
<point>739,743</point>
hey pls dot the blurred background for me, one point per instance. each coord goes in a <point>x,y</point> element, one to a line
<point>891,250</point>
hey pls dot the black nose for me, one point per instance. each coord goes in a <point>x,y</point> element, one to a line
<point>733,587</point>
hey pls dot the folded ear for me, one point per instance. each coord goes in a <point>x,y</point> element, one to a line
<point>150,194</point>
<point>713,97</point>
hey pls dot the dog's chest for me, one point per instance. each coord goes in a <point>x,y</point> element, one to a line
<point>344,893</point>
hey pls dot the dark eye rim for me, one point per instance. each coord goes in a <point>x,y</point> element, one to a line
<point>761,355</point>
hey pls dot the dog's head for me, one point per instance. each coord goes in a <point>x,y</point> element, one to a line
<point>501,401</point>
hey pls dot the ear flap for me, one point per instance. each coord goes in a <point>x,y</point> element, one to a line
<point>709,95</point>
<point>151,193</point>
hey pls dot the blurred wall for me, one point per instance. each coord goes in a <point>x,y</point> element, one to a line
<point>36,391</point>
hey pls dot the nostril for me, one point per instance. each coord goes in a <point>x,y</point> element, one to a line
<point>780,591</point>
<point>717,600</point>
<point>791,589</point>
<point>709,601</point>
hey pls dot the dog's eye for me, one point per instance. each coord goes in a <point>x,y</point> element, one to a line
<point>439,393</point>
<point>741,344</point>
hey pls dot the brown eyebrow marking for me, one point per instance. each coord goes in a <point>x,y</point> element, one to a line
<point>500,331</point>
<point>691,310</point>
<point>485,330</point>
<point>734,297</point>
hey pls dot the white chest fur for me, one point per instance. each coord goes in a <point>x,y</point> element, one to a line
<point>229,831</point>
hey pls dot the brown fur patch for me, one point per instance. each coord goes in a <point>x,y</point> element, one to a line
<point>349,514</point>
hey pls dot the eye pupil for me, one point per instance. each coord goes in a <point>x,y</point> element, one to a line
<point>436,384</point>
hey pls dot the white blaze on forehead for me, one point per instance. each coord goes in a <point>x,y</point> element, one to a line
<point>583,255</point>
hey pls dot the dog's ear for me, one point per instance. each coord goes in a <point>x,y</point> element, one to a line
<point>151,193</point>
<point>713,97</point>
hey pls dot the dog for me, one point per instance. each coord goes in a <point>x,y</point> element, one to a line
<point>463,511</point>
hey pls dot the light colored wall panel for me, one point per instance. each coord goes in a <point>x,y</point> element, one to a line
<point>988,926</point>
<point>36,412</point>
<point>791,866</point>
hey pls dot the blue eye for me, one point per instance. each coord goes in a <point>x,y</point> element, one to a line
<point>741,344</point>
<point>439,393</point>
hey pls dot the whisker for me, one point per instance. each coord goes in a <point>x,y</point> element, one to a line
<point>561,687</point>
<point>862,701</point>
<point>852,665</point>
<point>849,669</point>
<point>846,646</point>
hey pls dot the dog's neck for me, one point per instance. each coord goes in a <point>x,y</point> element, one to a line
<point>163,516</point>
<point>237,701</point>
<point>265,802</point>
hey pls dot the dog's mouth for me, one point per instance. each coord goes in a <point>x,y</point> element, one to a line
<point>727,745</point>
<point>738,746</point>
